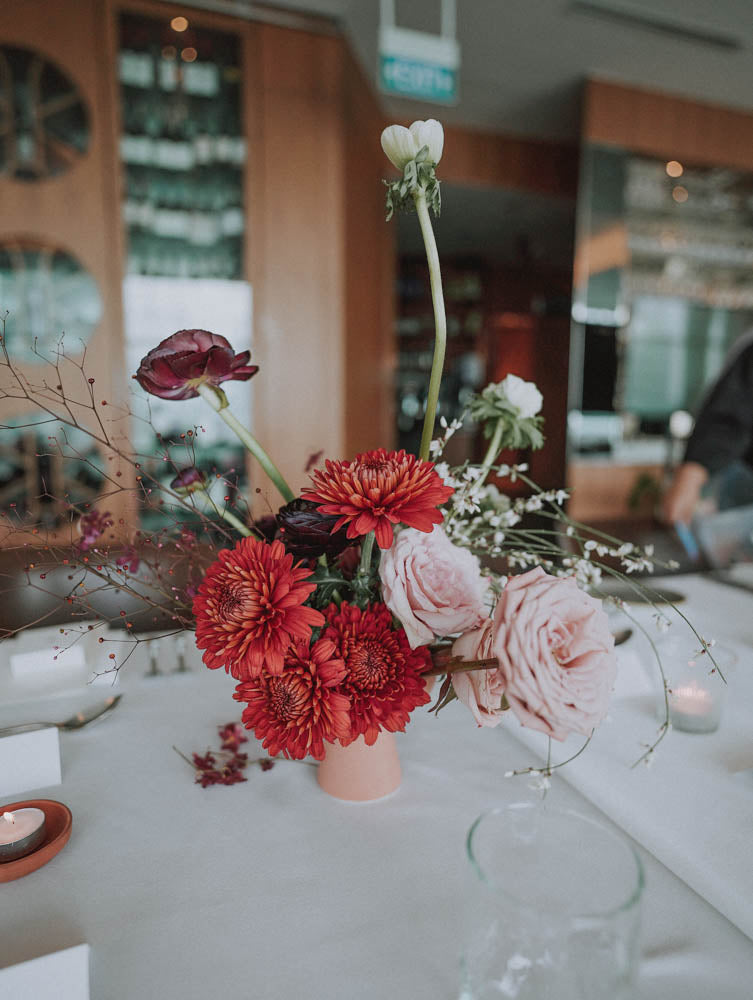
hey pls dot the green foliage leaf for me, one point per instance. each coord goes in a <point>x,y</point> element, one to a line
<point>490,409</point>
<point>418,174</point>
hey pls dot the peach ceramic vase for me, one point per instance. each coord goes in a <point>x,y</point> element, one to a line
<point>361,773</point>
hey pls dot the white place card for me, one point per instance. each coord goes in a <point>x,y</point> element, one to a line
<point>63,975</point>
<point>29,761</point>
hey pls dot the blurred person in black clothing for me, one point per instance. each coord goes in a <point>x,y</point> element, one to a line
<point>721,443</point>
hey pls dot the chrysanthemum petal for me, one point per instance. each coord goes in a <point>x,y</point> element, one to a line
<point>378,489</point>
<point>249,608</point>
<point>296,712</point>
<point>382,673</point>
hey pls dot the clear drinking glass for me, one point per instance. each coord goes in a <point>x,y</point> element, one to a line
<point>553,907</point>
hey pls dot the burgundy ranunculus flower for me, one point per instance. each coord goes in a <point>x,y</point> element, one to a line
<point>188,358</point>
<point>307,533</point>
<point>189,481</point>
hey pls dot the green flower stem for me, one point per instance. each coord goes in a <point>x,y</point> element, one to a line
<point>440,321</point>
<point>236,522</point>
<point>367,546</point>
<point>491,452</point>
<point>226,515</point>
<point>219,405</point>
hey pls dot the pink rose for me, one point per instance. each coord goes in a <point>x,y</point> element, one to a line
<point>480,690</point>
<point>555,651</point>
<point>431,586</point>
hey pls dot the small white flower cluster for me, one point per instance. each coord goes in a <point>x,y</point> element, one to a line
<point>511,471</point>
<point>525,560</point>
<point>437,446</point>
<point>632,558</point>
<point>481,518</point>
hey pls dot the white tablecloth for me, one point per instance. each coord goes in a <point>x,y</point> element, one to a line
<point>271,889</point>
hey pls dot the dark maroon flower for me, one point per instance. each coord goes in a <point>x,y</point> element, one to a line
<point>266,526</point>
<point>91,527</point>
<point>188,358</point>
<point>307,533</point>
<point>189,481</point>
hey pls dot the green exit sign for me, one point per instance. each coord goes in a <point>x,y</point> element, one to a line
<point>416,64</point>
<point>415,78</point>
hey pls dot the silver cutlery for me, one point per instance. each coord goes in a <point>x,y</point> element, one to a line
<point>77,721</point>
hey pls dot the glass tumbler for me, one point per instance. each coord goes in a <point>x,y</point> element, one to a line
<point>552,907</point>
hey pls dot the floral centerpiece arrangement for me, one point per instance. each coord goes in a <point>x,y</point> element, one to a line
<point>388,568</point>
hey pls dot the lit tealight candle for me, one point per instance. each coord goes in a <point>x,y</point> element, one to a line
<point>693,708</point>
<point>21,832</point>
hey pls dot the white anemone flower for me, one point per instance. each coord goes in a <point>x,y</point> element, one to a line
<point>524,396</point>
<point>401,144</point>
<point>429,133</point>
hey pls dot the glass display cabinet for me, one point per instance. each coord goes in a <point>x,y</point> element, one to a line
<point>183,156</point>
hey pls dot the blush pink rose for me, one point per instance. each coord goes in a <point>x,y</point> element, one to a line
<point>555,651</point>
<point>432,586</point>
<point>481,690</point>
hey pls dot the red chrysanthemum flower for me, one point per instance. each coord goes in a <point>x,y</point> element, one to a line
<point>383,679</point>
<point>297,711</point>
<point>378,489</point>
<point>249,608</point>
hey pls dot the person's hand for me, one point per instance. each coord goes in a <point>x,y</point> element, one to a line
<point>678,503</point>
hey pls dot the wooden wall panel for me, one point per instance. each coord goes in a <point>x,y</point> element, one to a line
<point>493,160</point>
<point>370,276</point>
<point>667,126</point>
<point>297,253</point>
<point>79,210</point>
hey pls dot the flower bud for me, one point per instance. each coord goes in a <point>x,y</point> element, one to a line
<point>189,481</point>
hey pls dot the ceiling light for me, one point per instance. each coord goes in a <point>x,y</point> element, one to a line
<point>179,23</point>
<point>674,168</point>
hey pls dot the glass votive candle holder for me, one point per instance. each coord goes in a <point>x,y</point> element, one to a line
<point>552,907</point>
<point>696,693</point>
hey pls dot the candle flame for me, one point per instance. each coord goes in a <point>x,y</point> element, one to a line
<point>9,817</point>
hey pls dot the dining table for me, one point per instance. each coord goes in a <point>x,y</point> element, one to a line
<point>273,890</point>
